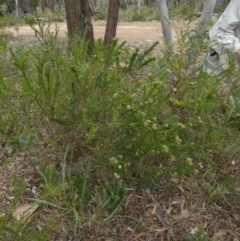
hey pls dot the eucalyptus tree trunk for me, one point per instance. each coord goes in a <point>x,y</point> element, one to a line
<point>92,7</point>
<point>123,4</point>
<point>165,22</point>
<point>207,13</point>
<point>79,23</point>
<point>112,20</point>
<point>17,8</point>
<point>139,7</point>
<point>49,4</point>
<point>199,5</point>
<point>59,4</point>
<point>146,3</point>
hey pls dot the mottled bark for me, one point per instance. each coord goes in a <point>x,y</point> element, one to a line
<point>78,14</point>
<point>112,20</point>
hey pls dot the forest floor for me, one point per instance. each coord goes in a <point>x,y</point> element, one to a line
<point>140,34</point>
<point>146,215</point>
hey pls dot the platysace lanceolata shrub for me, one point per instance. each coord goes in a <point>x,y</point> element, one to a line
<point>114,117</point>
<point>90,100</point>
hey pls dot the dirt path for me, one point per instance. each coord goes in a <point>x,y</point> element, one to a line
<point>136,33</point>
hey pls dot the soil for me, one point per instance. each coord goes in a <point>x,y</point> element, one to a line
<point>139,34</point>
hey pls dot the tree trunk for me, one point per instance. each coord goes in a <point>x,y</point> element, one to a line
<point>47,4</point>
<point>207,13</point>
<point>112,20</point>
<point>17,8</point>
<point>123,4</point>
<point>92,7</point>
<point>139,7</point>
<point>79,23</point>
<point>59,4</point>
<point>199,5</point>
<point>164,17</point>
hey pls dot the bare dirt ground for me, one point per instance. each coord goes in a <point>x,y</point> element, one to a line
<point>139,34</point>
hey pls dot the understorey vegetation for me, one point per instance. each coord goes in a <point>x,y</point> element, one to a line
<point>127,145</point>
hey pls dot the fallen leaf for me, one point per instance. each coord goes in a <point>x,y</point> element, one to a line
<point>184,214</point>
<point>160,230</point>
<point>175,180</point>
<point>138,236</point>
<point>129,229</point>
<point>181,189</point>
<point>205,225</point>
<point>194,231</point>
<point>39,227</point>
<point>236,217</point>
<point>168,211</point>
<point>154,209</point>
<point>176,202</point>
<point>25,211</point>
